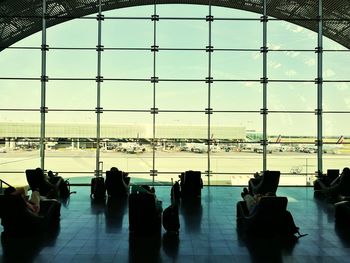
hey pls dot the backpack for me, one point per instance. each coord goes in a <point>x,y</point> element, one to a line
<point>171,221</point>
<point>64,189</point>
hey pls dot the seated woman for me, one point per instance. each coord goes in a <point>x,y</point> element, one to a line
<point>253,200</point>
<point>339,186</point>
<point>32,203</point>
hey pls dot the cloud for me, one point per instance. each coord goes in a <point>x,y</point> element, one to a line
<point>256,56</point>
<point>292,54</point>
<point>290,73</point>
<point>342,86</point>
<point>310,62</point>
<point>328,73</point>
<point>274,46</point>
<point>347,102</point>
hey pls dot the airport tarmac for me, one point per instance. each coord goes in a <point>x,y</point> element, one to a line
<point>228,168</point>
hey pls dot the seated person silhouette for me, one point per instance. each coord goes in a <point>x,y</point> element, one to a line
<point>326,179</point>
<point>32,203</point>
<point>252,201</point>
<point>21,215</point>
<point>266,214</point>
<point>39,181</point>
<point>117,182</point>
<point>340,186</point>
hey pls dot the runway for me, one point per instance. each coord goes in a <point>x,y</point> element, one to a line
<point>228,168</point>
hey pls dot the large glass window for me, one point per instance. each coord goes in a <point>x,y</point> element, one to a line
<point>156,90</point>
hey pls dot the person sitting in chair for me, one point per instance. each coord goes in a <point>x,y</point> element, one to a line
<point>32,203</point>
<point>253,200</point>
<point>339,186</point>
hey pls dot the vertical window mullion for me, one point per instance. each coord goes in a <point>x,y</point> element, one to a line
<point>209,110</point>
<point>99,79</point>
<point>264,81</point>
<point>319,82</point>
<point>43,80</point>
<point>154,78</point>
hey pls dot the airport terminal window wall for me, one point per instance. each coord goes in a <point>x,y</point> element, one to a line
<point>156,90</point>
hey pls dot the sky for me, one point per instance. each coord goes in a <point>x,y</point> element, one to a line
<point>235,96</point>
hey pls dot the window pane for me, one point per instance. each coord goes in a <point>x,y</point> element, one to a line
<point>228,34</point>
<point>182,65</point>
<point>183,34</point>
<point>237,65</point>
<point>71,64</point>
<point>229,96</point>
<point>182,95</point>
<point>68,94</point>
<point>292,96</point>
<point>336,96</point>
<point>117,95</point>
<point>139,64</point>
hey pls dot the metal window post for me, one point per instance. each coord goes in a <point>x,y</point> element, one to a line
<point>154,78</point>
<point>99,79</point>
<point>319,82</point>
<point>264,110</point>
<point>209,50</point>
<point>43,80</point>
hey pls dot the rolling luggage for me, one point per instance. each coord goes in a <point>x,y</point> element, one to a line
<point>98,188</point>
<point>171,221</point>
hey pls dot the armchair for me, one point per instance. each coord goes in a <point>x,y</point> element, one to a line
<point>36,180</point>
<point>268,182</point>
<point>268,217</point>
<point>191,184</point>
<point>117,183</point>
<point>18,220</point>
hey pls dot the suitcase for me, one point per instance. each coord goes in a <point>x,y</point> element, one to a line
<point>98,188</point>
<point>171,221</point>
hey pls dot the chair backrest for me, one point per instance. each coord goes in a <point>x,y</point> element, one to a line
<point>344,185</point>
<point>115,183</point>
<point>269,183</point>
<point>34,178</point>
<point>332,174</point>
<point>192,177</point>
<point>272,205</point>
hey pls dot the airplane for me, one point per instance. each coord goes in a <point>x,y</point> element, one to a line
<point>131,147</point>
<point>334,148</point>
<point>326,148</point>
<point>258,148</point>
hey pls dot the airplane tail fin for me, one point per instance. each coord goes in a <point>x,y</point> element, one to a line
<point>279,138</point>
<point>340,140</point>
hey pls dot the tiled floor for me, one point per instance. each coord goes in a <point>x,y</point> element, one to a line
<point>99,233</point>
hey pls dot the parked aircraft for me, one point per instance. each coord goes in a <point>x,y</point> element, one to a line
<point>326,148</point>
<point>131,147</point>
<point>258,148</point>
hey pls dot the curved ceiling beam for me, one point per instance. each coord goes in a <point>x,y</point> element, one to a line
<point>22,18</point>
